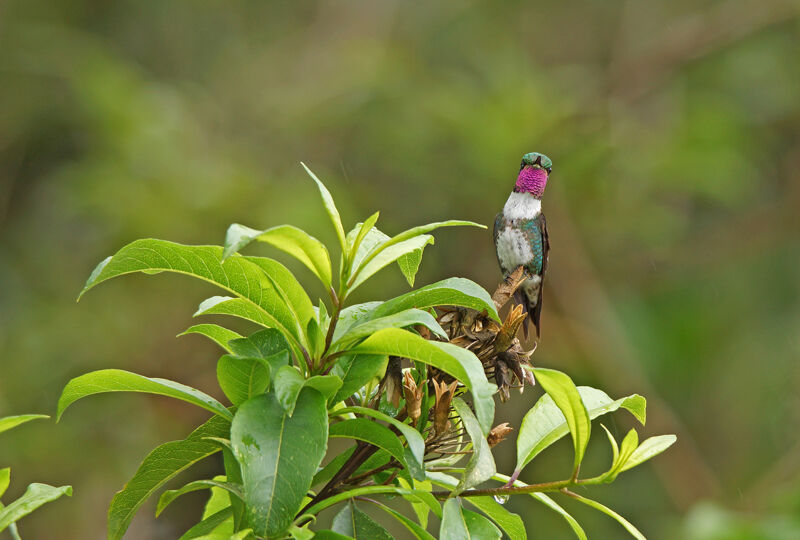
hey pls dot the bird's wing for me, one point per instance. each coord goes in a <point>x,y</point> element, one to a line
<point>499,225</point>
<point>537,311</point>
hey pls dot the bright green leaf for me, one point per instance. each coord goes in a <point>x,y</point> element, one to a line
<point>218,334</point>
<point>296,242</point>
<point>423,496</point>
<point>330,207</point>
<point>210,525</point>
<point>10,422</point>
<point>371,432</point>
<point>481,466</point>
<point>460,363</point>
<point>649,448</point>
<point>117,380</point>
<point>403,319</point>
<point>356,524</point>
<point>278,456</point>
<point>409,264</point>
<point>621,520</point>
<point>262,344</point>
<point>5,478</point>
<point>35,496</point>
<point>449,292</point>
<point>162,464</point>
<point>356,237</point>
<point>385,257</point>
<point>544,424</point>
<point>419,532</point>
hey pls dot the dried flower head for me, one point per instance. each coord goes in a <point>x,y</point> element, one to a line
<point>413,395</point>
<point>498,433</point>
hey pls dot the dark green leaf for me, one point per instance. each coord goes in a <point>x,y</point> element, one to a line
<point>35,496</point>
<point>10,422</point>
<point>416,444</point>
<point>209,525</point>
<point>296,242</point>
<point>168,496</point>
<point>458,362</point>
<point>330,535</point>
<point>479,527</point>
<point>117,380</point>
<point>218,334</point>
<point>262,344</point>
<point>278,456</point>
<point>243,378</point>
<point>356,370</point>
<point>288,384</point>
<point>368,431</point>
<point>353,522</point>
<point>161,465</point>
<point>544,424</point>
<point>332,467</point>
<point>453,525</point>
<point>419,532</point>
<point>481,466</point>
<point>330,207</point>
<point>449,292</point>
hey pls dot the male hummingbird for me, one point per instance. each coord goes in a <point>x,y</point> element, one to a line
<point>520,234</point>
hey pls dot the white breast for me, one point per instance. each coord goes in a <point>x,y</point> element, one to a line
<point>522,206</point>
<point>513,249</point>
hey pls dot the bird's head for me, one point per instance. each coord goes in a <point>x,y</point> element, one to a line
<point>533,174</point>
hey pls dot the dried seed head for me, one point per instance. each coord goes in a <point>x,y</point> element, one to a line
<point>498,433</point>
<point>441,410</point>
<point>413,395</point>
<point>394,378</point>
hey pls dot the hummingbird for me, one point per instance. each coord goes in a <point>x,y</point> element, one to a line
<point>520,234</point>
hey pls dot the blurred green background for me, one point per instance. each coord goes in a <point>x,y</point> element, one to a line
<point>673,209</point>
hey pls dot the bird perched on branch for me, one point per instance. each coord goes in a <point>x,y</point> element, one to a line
<point>520,234</point>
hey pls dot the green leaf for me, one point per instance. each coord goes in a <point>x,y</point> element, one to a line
<point>621,520</point>
<point>10,422</point>
<point>479,527</point>
<point>409,264</point>
<point>5,478</point>
<point>289,383</point>
<point>544,424</point>
<point>562,390</point>
<point>243,378</point>
<point>296,242</point>
<point>511,523</point>
<point>278,456</point>
<point>423,496</point>
<point>649,448</point>
<point>416,444</point>
<point>218,334</point>
<point>161,465</point>
<point>168,496</point>
<point>117,380</point>
<point>356,370</point>
<point>35,496</point>
<point>458,362</point>
<point>549,503</point>
<point>262,344</point>
<point>330,535</point>
<point>449,292</point>
<point>264,283</point>
<point>419,532</point>
<point>209,525</point>
<point>356,237</point>
<point>386,256</point>
<point>356,524</point>
<point>324,474</point>
<point>330,207</point>
<point>371,432</point>
<point>453,526</point>
<point>352,315</point>
<point>481,466</point>
<point>403,319</point>
<point>416,232</point>
<point>301,533</point>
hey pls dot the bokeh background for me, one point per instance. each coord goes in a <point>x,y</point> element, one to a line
<point>673,208</point>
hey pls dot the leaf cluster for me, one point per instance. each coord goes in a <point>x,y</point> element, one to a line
<point>406,383</point>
